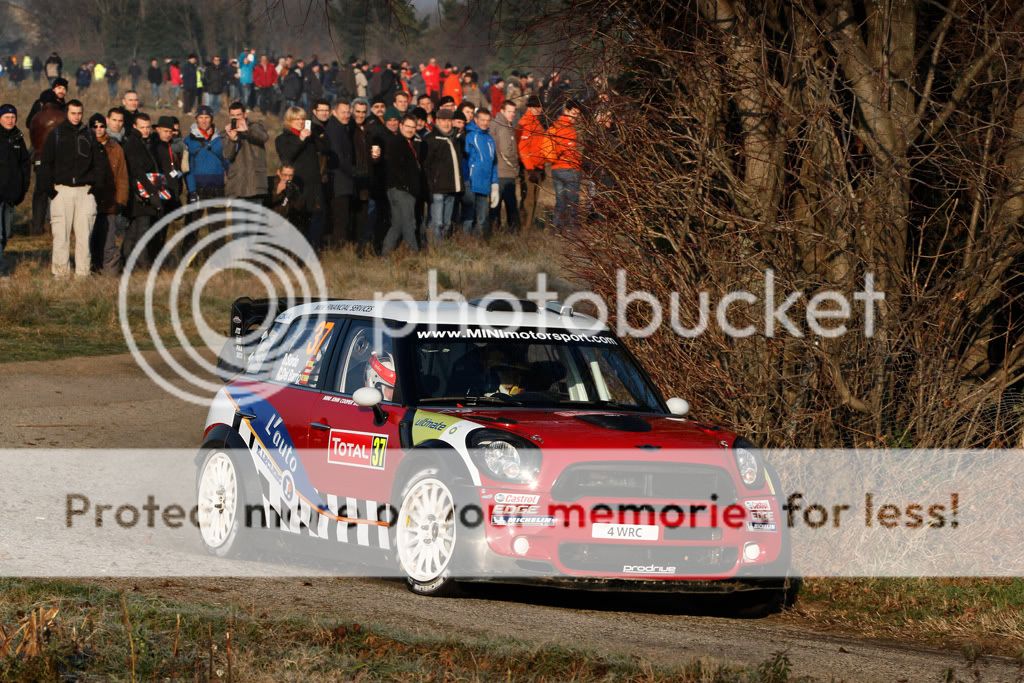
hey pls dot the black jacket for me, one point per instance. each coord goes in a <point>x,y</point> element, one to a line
<point>188,76</point>
<point>304,156</point>
<point>442,162</point>
<point>15,166</point>
<point>169,163</point>
<point>37,107</point>
<point>155,75</point>
<point>341,158</point>
<point>139,156</point>
<point>215,79</point>
<point>71,156</point>
<point>377,134</point>
<point>402,159</point>
<point>313,87</point>
<point>291,84</point>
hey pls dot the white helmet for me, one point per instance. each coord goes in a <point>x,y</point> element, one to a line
<point>381,374</point>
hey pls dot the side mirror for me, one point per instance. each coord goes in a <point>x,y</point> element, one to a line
<point>676,406</point>
<point>368,397</point>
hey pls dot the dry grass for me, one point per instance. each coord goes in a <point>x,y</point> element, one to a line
<point>44,318</point>
<point>974,616</point>
<point>100,634</point>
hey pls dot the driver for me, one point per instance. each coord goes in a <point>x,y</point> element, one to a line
<point>381,374</point>
<point>505,367</point>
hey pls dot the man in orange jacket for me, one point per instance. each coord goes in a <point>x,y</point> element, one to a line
<point>566,164</point>
<point>452,86</point>
<point>532,143</point>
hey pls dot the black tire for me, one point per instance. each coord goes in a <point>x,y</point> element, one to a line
<point>759,603</point>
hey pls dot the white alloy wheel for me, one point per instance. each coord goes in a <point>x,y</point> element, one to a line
<point>218,500</point>
<point>425,535</point>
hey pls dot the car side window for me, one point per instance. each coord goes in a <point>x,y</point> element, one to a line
<point>302,355</point>
<point>361,365</point>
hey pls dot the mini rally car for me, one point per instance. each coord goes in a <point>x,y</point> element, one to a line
<point>461,448</point>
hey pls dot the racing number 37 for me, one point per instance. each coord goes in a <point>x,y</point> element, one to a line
<point>377,450</point>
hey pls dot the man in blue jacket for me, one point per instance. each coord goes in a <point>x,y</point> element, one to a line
<point>246,64</point>
<point>482,176</point>
<point>206,165</point>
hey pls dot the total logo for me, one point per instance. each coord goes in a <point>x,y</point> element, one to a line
<point>357,449</point>
<point>648,569</point>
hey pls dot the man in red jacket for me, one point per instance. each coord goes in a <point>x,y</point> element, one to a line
<point>264,76</point>
<point>432,77</point>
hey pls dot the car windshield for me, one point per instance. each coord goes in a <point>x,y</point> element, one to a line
<point>473,366</point>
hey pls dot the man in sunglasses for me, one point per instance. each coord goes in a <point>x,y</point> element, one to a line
<point>111,200</point>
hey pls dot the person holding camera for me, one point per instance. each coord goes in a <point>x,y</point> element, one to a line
<point>298,147</point>
<point>286,197</point>
<point>245,151</point>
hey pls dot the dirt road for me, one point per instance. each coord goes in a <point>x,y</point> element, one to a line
<point>109,402</point>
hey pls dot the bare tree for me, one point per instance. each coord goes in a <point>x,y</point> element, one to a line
<point>825,141</point>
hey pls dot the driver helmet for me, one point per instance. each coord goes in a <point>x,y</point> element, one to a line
<point>381,374</point>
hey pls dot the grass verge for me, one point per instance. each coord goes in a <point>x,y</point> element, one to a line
<point>44,318</point>
<point>62,630</point>
<point>974,616</point>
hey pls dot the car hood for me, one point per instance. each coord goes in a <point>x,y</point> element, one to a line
<point>570,429</point>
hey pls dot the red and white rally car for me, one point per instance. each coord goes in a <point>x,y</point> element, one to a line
<point>462,448</point>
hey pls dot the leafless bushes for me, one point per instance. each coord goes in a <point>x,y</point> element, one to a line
<point>824,141</point>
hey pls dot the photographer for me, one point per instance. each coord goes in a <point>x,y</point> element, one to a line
<point>286,197</point>
<point>246,151</point>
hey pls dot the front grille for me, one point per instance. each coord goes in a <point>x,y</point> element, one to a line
<point>616,557</point>
<point>644,481</point>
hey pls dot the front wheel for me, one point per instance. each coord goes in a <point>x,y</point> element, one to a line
<point>425,535</point>
<point>219,493</point>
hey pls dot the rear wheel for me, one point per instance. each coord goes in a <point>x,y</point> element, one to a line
<point>425,534</point>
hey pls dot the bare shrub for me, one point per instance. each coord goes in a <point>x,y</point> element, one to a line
<point>824,141</point>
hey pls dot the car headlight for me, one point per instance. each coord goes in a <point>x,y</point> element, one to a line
<point>504,456</point>
<point>748,464</point>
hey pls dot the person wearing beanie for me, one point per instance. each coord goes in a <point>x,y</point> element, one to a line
<point>447,102</point>
<point>111,201</point>
<point>55,94</point>
<point>71,172</point>
<point>532,145</point>
<point>206,164</point>
<point>15,167</point>
<point>391,119</point>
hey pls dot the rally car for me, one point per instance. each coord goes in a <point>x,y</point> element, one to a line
<point>461,448</point>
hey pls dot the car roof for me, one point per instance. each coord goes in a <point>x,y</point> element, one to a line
<point>449,313</point>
